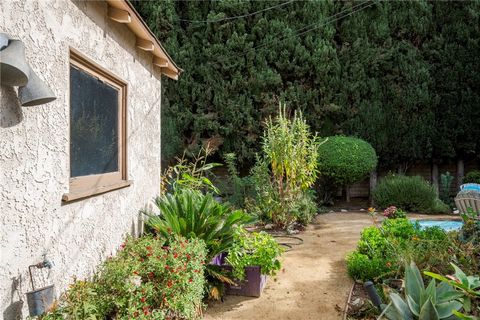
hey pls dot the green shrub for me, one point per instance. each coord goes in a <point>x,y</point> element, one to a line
<point>411,193</point>
<point>400,228</point>
<point>372,242</point>
<point>362,267</point>
<point>146,280</point>
<point>345,160</point>
<point>304,208</point>
<point>254,249</point>
<point>440,207</point>
<point>472,177</point>
<point>191,214</point>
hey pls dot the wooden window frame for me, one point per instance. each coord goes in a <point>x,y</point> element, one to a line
<point>90,185</point>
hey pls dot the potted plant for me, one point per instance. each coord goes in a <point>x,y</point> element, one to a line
<point>252,258</point>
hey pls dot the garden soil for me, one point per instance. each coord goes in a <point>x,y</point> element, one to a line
<point>313,283</point>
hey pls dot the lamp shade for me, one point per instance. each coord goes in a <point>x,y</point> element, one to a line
<point>13,67</point>
<point>4,40</point>
<point>36,92</point>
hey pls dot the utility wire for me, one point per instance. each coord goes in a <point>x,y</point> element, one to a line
<point>310,27</point>
<point>237,17</point>
<point>298,32</point>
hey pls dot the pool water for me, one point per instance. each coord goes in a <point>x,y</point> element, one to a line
<point>444,224</point>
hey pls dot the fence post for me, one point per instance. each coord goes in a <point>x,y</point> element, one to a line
<point>435,177</point>
<point>373,184</point>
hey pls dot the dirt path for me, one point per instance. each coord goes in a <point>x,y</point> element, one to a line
<point>313,284</point>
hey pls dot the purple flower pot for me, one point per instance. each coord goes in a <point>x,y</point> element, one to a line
<point>252,286</point>
<point>254,281</point>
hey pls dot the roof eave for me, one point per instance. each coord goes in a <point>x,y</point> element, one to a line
<point>122,11</point>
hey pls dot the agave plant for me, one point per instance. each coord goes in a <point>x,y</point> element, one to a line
<point>430,303</point>
<point>469,286</point>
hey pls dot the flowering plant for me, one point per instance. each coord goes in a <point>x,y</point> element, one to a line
<point>146,280</point>
<point>393,212</point>
<point>373,213</point>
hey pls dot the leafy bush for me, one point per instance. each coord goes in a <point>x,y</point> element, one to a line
<point>400,228</point>
<point>191,214</point>
<point>472,177</point>
<point>373,242</point>
<point>304,208</point>
<point>396,242</point>
<point>362,267</point>
<point>411,193</point>
<point>254,249</point>
<point>345,160</point>
<point>146,280</point>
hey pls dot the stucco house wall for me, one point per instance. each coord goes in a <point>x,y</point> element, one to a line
<point>34,149</point>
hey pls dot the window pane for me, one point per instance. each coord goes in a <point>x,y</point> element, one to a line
<point>93,125</point>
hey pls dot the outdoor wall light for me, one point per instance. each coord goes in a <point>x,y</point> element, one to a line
<point>36,92</point>
<point>15,71</point>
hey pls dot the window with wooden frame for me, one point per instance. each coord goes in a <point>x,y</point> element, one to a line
<point>97,129</point>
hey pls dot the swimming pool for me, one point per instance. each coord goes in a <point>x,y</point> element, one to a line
<point>446,225</point>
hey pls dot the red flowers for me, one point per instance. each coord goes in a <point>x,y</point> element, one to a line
<point>170,283</point>
<point>149,248</point>
<point>143,299</point>
<point>190,280</point>
<point>151,275</point>
<point>175,255</point>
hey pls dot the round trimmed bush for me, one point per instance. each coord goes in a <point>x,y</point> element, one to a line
<point>411,193</point>
<point>345,160</point>
<point>472,177</point>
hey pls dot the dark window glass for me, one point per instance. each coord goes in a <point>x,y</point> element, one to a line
<point>93,125</point>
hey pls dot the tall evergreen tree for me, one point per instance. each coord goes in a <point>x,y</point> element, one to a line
<point>402,75</point>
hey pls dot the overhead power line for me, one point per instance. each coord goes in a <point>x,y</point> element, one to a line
<point>237,17</point>
<point>314,26</point>
<point>298,32</point>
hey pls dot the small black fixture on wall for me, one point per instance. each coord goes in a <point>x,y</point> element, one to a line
<point>15,72</point>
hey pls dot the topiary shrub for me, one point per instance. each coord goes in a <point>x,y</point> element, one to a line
<point>411,193</point>
<point>472,177</point>
<point>343,161</point>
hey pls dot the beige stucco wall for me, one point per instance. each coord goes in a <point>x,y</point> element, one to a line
<point>34,149</point>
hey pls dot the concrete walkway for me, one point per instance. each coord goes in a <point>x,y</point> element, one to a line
<point>313,284</point>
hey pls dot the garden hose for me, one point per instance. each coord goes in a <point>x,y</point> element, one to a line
<point>288,245</point>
